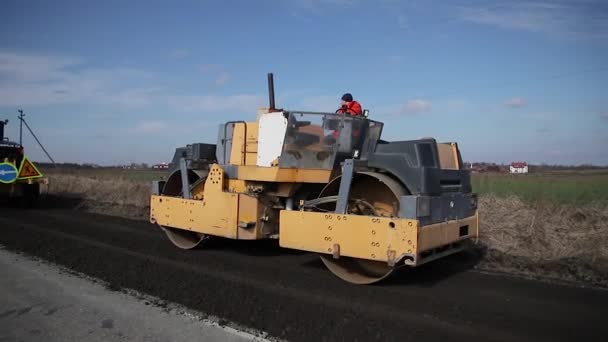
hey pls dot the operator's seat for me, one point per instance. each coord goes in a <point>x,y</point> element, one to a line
<point>306,139</point>
<point>304,133</point>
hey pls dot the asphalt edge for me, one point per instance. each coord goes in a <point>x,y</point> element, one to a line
<point>163,305</point>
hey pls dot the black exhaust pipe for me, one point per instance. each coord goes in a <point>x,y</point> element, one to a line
<point>271,91</point>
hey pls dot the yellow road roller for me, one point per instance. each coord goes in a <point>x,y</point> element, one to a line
<point>324,183</point>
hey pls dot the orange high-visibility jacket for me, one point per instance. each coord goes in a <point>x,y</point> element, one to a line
<point>353,108</point>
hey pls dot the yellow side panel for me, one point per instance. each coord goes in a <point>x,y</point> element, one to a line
<point>216,219</point>
<point>251,158</point>
<point>448,156</point>
<point>216,214</point>
<point>441,234</point>
<point>236,185</point>
<point>276,174</point>
<point>365,237</point>
<point>239,147</point>
<point>250,211</point>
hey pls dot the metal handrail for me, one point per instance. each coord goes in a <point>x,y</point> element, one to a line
<point>244,160</point>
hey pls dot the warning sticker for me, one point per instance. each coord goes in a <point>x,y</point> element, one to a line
<point>28,170</point>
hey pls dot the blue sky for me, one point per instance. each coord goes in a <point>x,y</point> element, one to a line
<point>128,81</point>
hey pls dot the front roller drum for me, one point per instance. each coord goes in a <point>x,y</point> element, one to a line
<point>357,271</point>
<point>371,194</point>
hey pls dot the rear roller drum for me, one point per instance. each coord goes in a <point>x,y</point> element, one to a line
<point>184,239</point>
<point>374,195</point>
<point>181,238</point>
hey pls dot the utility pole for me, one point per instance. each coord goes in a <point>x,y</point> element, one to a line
<point>21,118</point>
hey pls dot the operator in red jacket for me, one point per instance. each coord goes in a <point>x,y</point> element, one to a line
<point>350,106</point>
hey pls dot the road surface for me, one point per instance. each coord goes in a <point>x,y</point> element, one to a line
<point>42,302</point>
<point>290,295</point>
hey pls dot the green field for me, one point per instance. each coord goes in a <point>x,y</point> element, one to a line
<point>564,187</point>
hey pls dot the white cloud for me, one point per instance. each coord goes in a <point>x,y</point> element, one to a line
<point>411,107</point>
<point>582,18</point>
<point>208,103</point>
<point>516,102</point>
<point>222,78</point>
<point>29,80</point>
<point>147,127</point>
<point>26,68</point>
<point>132,98</point>
<point>416,106</point>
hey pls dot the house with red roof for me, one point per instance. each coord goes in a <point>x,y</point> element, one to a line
<point>519,167</point>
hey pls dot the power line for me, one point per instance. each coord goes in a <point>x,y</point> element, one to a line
<point>22,118</point>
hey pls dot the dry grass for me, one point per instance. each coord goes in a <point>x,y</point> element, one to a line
<point>544,240</point>
<point>543,232</point>
<point>547,240</point>
<point>118,196</point>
